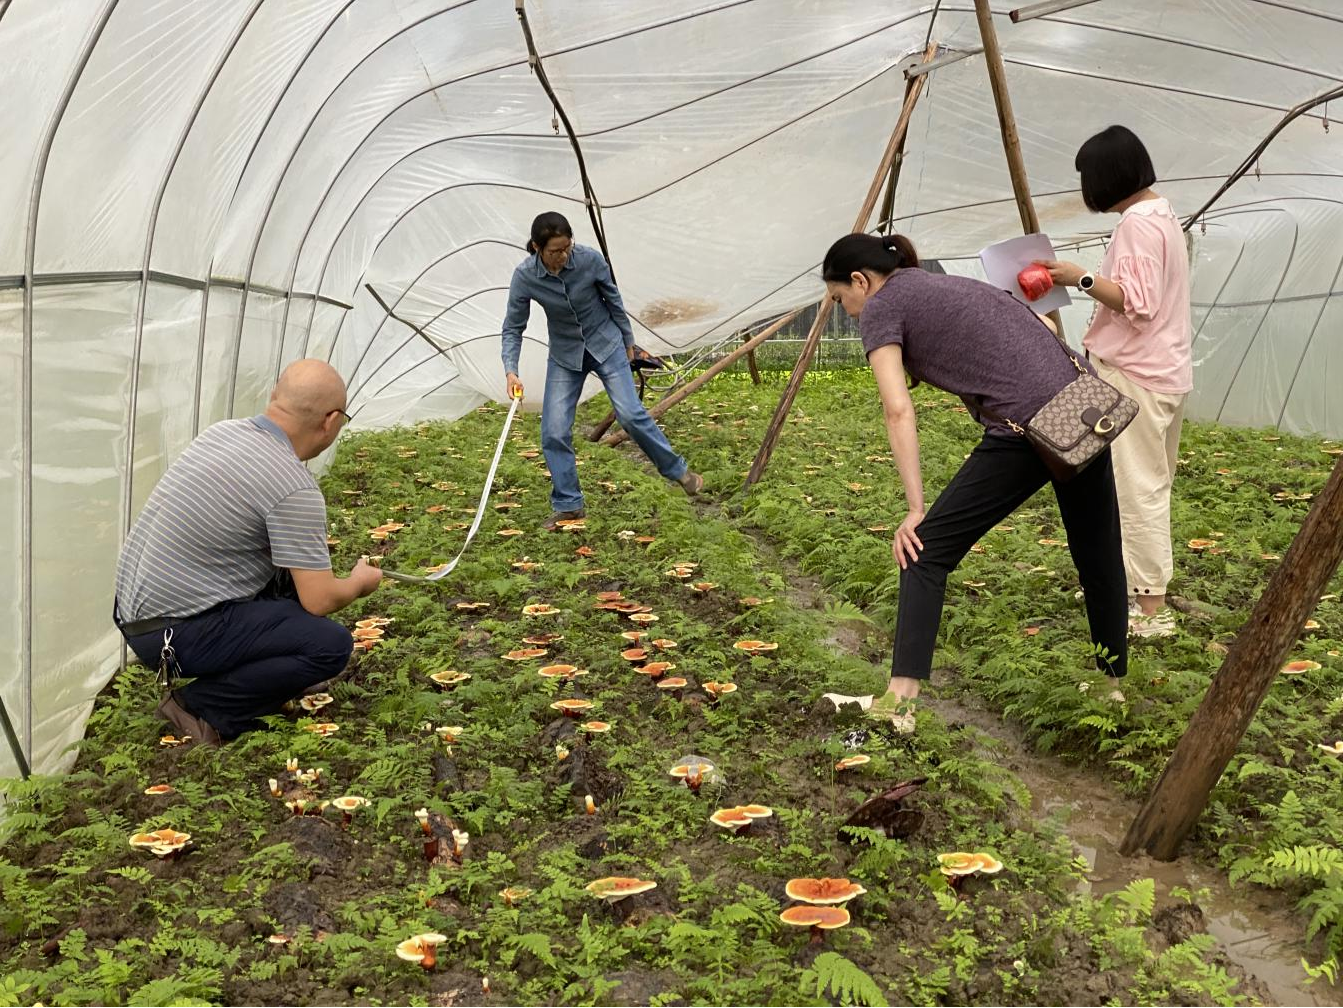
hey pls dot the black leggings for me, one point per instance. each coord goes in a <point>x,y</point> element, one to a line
<point>1000,475</point>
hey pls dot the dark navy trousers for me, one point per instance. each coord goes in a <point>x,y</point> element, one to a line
<point>247,659</point>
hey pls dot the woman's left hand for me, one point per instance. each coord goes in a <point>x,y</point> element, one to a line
<point>1064,274</point>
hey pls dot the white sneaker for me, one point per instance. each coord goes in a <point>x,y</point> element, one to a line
<point>1161,624</point>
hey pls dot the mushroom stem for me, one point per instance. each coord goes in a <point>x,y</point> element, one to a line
<point>431,848</point>
<point>430,959</point>
<point>345,818</point>
<point>817,935</point>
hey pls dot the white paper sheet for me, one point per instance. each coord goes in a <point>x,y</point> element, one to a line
<point>1005,259</point>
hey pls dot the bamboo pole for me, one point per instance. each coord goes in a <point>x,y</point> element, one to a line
<point>676,395</point>
<point>1217,727</point>
<point>1007,125</point>
<point>750,362</point>
<point>781,412</point>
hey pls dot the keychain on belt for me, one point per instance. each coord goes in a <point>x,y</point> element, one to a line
<point>170,671</point>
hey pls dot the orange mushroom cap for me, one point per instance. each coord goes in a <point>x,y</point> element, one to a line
<point>643,617</point>
<point>672,683</point>
<point>349,803</point>
<point>756,811</point>
<point>1297,667</point>
<point>822,891</point>
<point>540,609</point>
<point>323,728</point>
<point>634,635</point>
<point>610,596</point>
<point>543,639</point>
<point>663,644</point>
<point>824,917</point>
<point>717,689</point>
<point>571,706</point>
<point>958,863</point>
<point>559,671</point>
<point>616,887</point>
<point>634,654</point>
<point>848,762</point>
<point>730,819</point>
<point>596,727</point>
<point>525,654</point>
<point>160,789</point>
<point>449,677</point>
<point>690,769</point>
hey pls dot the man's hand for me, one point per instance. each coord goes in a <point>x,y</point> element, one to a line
<point>514,386</point>
<point>365,577</point>
<point>629,353</point>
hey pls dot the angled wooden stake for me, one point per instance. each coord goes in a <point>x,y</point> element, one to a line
<point>1007,125</point>
<point>804,358</point>
<point>1217,727</point>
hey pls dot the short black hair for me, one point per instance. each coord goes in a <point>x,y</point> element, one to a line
<point>1114,165</point>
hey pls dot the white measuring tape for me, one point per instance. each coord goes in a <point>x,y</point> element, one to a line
<point>480,511</point>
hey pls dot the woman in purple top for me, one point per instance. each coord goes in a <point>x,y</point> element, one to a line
<point>981,344</point>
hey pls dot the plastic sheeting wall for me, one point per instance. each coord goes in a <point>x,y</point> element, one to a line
<point>199,191</point>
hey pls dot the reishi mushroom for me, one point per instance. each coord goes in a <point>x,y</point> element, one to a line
<point>822,891</point>
<point>691,774</point>
<point>718,690</point>
<point>163,843</point>
<point>1300,666</point>
<point>571,707</point>
<point>849,762</point>
<point>818,918</point>
<point>421,949</point>
<point>449,677</point>
<point>347,805</point>
<point>615,888</point>
<point>540,609</point>
<point>157,790</point>
<point>514,894</point>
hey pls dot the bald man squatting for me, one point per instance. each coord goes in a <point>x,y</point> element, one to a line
<point>229,561</point>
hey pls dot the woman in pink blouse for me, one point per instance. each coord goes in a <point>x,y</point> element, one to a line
<point>1139,341</point>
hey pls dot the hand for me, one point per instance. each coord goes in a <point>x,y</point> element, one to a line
<point>906,544</point>
<point>514,386</point>
<point>629,353</point>
<point>1065,274</point>
<point>365,576</point>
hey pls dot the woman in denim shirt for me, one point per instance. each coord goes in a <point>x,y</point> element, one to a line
<point>589,332</point>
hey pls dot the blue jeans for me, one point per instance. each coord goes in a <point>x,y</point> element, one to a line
<point>248,658</point>
<point>563,387</point>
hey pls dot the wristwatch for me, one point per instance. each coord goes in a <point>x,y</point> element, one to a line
<point>1086,281</point>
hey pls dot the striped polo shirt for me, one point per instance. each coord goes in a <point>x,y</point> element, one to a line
<point>234,507</point>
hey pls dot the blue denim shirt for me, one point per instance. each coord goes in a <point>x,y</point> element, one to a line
<point>583,309</point>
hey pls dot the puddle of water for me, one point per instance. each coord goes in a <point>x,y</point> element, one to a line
<point>1261,938</point>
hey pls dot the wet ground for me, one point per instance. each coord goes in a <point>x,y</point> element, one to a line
<point>1254,931</point>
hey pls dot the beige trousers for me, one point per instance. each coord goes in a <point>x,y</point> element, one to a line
<point>1144,462</point>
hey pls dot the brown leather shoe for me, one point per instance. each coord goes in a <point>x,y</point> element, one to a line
<point>187,724</point>
<point>550,523</point>
<point>692,483</point>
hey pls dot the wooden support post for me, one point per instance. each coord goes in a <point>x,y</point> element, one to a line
<point>596,433</point>
<point>781,412</point>
<point>750,362</point>
<point>1007,124</point>
<point>1217,727</point>
<point>676,395</point>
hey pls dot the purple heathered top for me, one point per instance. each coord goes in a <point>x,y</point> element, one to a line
<point>970,339</point>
